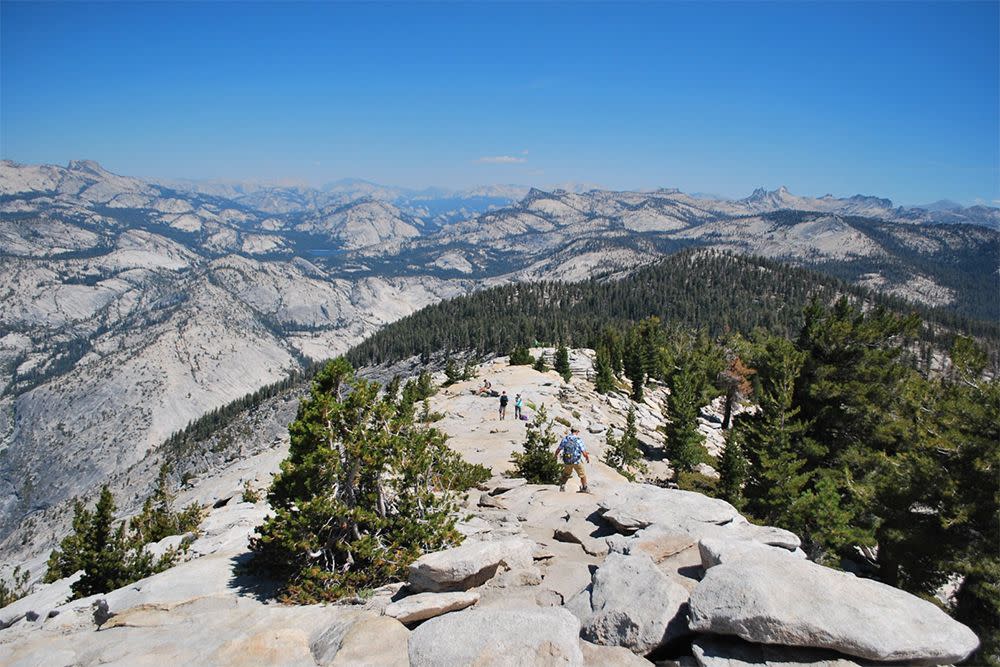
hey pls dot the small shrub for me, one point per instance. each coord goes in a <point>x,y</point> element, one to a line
<point>250,494</point>
<point>17,588</point>
<point>537,463</point>
<point>521,357</point>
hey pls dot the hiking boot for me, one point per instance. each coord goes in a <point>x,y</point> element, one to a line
<point>584,489</point>
<point>562,487</point>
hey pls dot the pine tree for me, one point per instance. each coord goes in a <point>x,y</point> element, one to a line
<point>733,472</point>
<point>109,559</point>
<point>684,442</point>
<point>633,364</point>
<point>540,364</point>
<point>537,462</point>
<point>624,454</point>
<point>451,372</point>
<point>604,379</point>
<point>521,357</point>
<point>561,363</point>
<point>364,491</point>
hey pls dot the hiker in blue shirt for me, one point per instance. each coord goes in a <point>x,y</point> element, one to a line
<point>517,407</point>
<point>573,450</point>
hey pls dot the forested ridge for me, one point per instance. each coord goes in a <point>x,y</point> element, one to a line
<point>711,291</point>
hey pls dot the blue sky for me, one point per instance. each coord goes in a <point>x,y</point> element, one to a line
<point>897,99</point>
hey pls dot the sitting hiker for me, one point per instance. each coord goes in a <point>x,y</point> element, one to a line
<point>573,450</point>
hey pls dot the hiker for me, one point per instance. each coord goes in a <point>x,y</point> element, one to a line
<point>503,405</point>
<point>485,389</point>
<point>517,406</point>
<point>573,450</point>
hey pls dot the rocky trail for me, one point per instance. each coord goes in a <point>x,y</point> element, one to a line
<point>627,574</point>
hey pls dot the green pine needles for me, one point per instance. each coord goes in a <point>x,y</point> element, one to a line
<point>623,454</point>
<point>364,491</point>
<point>537,462</point>
<point>111,553</point>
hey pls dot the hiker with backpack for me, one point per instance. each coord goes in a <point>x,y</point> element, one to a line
<point>503,404</point>
<point>573,450</point>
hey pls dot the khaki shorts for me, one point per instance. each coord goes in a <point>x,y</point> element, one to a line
<point>569,468</point>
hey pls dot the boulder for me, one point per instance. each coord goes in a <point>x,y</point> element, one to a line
<point>378,641</point>
<point>799,603</point>
<point>633,507</point>
<point>39,602</point>
<point>422,606</point>
<point>730,652</point>
<point>472,564</point>
<point>496,637</point>
<point>657,543</point>
<point>715,551</point>
<point>578,531</point>
<point>631,603</point>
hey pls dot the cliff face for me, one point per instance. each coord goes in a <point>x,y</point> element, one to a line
<point>623,575</point>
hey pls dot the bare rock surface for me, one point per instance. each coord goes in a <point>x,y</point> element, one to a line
<point>712,651</point>
<point>631,603</point>
<point>715,551</point>
<point>422,606</point>
<point>39,603</point>
<point>799,603</point>
<point>469,565</point>
<point>498,638</point>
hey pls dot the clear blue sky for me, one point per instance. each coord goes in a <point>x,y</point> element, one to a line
<point>897,99</point>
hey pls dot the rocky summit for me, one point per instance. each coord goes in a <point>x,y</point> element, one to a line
<point>627,574</point>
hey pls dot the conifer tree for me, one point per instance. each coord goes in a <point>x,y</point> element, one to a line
<point>537,462</point>
<point>623,454</point>
<point>684,442</point>
<point>451,372</point>
<point>521,357</point>
<point>364,491</point>
<point>633,364</point>
<point>561,363</point>
<point>540,364</point>
<point>733,471</point>
<point>604,377</point>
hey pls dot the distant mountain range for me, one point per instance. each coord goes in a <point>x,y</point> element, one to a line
<point>130,308</point>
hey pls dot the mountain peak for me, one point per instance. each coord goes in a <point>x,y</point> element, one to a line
<point>87,166</point>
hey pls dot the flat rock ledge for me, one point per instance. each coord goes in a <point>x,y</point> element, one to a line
<point>793,602</point>
<point>422,606</point>
<point>468,566</point>
<point>494,637</point>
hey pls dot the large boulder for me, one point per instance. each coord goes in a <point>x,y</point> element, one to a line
<point>422,606</point>
<point>498,638</point>
<point>472,564</point>
<point>631,603</point>
<point>799,603</point>
<point>633,507</point>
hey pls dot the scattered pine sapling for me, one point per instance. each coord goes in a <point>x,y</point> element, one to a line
<point>624,454</point>
<point>521,357</point>
<point>604,377</point>
<point>561,363</point>
<point>537,462</point>
<point>540,364</point>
